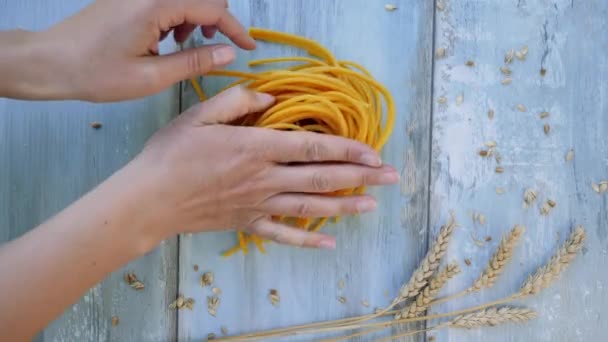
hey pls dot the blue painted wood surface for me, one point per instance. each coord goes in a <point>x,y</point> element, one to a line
<point>51,156</point>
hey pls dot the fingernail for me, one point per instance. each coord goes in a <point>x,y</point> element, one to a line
<point>265,99</point>
<point>388,178</point>
<point>327,244</point>
<point>371,159</point>
<point>222,55</point>
<point>365,205</point>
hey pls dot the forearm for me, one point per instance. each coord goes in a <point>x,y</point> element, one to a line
<point>30,67</point>
<point>49,268</point>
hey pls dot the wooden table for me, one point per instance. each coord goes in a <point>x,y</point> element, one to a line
<point>50,156</point>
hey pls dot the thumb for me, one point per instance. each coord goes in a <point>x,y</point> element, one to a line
<point>230,105</point>
<point>190,63</point>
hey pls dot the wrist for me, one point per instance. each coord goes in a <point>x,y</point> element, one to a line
<point>32,68</point>
<point>132,210</point>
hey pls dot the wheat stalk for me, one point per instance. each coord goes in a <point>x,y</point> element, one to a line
<point>429,293</point>
<point>548,273</point>
<point>542,278</point>
<point>483,318</point>
<point>492,317</point>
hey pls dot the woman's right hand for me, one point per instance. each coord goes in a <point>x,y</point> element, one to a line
<point>199,174</point>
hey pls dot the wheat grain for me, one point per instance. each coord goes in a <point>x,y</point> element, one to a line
<point>429,293</point>
<point>509,56</point>
<point>440,53</point>
<point>390,7</point>
<point>492,317</point>
<point>529,198</point>
<point>131,279</point>
<point>499,260</point>
<point>212,303</point>
<point>545,275</point>
<point>207,279</point>
<point>505,70</point>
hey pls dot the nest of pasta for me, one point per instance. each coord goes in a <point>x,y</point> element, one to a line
<point>319,94</point>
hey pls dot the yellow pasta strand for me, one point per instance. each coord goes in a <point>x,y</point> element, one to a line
<point>319,94</point>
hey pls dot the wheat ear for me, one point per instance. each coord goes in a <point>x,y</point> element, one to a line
<point>492,317</point>
<point>429,293</point>
<point>426,269</point>
<point>545,275</point>
<point>496,265</point>
<point>499,260</point>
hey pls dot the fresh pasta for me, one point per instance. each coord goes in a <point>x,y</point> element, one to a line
<point>319,94</point>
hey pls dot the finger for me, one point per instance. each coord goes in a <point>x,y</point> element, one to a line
<point>288,147</point>
<point>304,205</point>
<point>163,71</point>
<point>284,234</point>
<point>182,32</point>
<point>206,13</point>
<point>229,105</point>
<point>208,31</point>
<point>323,178</point>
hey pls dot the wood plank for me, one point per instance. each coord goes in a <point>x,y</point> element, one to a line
<point>566,39</point>
<point>376,252</point>
<point>50,156</point>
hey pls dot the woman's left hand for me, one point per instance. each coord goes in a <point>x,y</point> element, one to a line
<point>109,50</point>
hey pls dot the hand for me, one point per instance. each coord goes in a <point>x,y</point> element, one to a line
<point>109,50</point>
<point>205,175</point>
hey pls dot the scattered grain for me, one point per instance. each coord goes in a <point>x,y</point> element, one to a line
<point>212,303</point>
<point>273,295</point>
<point>469,63</point>
<point>570,156</point>
<point>543,72</point>
<point>499,169</point>
<point>595,187</point>
<point>509,56</point>
<point>506,80</point>
<point>467,262</point>
<point>341,284</point>
<point>482,219</point>
<point>491,114</point>
<point>490,143</point>
<point>131,279</point>
<point>483,153</point>
<point>476,241</point>
<point>546,129</point>
<point>459,99</point>
<point>96,125</point>
<point>545,209</point>
<point>224,330</point>
<point>115,321</point>
<point>210,336</point>
<point>216,291</point>
<point>551,203</point>
<point>342,300</point>
<point>365,303</point>
<point>442,100</point>
<point>544,115</point>
<point>440,6</point>
<point>498,158</point>
<point>390,7</point>
<point>521,108</point>
<point>529,197</point>
<point>522,54</point>
<point>440,52</point>
<point>195,268</point>
<point>505,70</point>
<point>603,186</point>
<point>207,279</point>
<point>500,191</point>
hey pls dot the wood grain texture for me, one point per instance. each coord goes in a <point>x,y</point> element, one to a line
<point>376,253</point>
<point>50,156</point>
<point>566,38</point>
